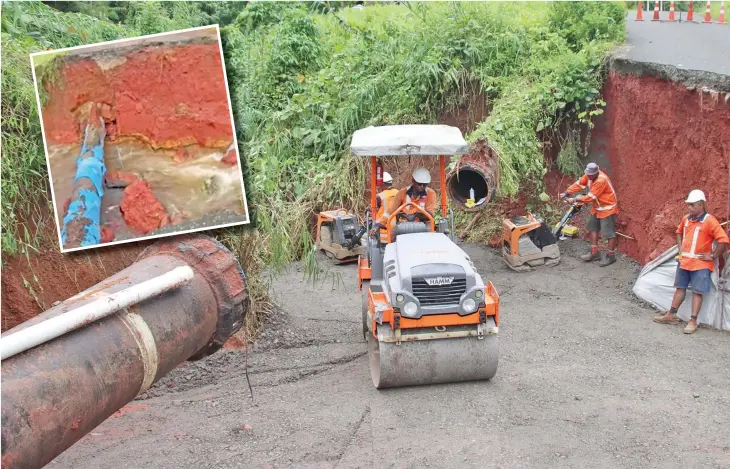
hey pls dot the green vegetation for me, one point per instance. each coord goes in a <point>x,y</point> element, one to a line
<point>302,83</point>
<point>304,77</point>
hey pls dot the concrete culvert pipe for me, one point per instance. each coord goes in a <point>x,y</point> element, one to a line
<point>477,171</point>
<point>56,392</point>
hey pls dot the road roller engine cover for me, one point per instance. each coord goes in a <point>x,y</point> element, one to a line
<point>427,314</point>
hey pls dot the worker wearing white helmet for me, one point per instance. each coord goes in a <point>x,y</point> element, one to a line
<point>417,193</point>
<point>695,236</point>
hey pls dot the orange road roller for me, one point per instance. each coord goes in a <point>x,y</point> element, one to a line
<point>427,315</point>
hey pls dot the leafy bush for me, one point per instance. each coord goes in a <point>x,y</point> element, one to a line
<point>584,22</point>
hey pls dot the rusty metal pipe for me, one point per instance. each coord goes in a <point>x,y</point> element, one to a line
<point>57,392</point>
<point>478,171</point>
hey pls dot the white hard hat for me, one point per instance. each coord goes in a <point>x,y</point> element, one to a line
<point>421,175</point>
<point>695,196</point>
<point>387,178</point>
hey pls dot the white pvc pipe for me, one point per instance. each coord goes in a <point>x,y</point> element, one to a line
<point>57,326</point>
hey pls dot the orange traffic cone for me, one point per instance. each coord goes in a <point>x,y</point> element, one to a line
<point>721,20</point>
<point>671,11</point>
<point>708,13</point>
<point>639,16</point>
<point>656,11</point>
<point>690,12</point>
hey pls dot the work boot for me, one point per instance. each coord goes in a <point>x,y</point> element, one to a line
<point>608,260</point>
<point>691,326</point>
<point>594,254</point>
<point>667,318</point>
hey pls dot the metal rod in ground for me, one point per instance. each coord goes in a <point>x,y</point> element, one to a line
<point>82,220</point>
<point>57,392</point>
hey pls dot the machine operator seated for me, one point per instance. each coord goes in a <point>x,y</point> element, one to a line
<point>417,193</point>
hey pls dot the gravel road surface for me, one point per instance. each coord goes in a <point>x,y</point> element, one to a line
<point>586,380</point>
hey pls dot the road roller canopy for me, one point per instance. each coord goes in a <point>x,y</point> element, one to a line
<point>408,140</point>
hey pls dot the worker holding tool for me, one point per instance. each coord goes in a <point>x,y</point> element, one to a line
<point>695,236</point>
<point>417,193</point>
<point>604,207</point>
<point>383,198</point>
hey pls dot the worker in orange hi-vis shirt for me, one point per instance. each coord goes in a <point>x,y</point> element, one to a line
<point>418,193</point>
<point>383,199</point>
<point>604,207</point>
<point>695,236</point>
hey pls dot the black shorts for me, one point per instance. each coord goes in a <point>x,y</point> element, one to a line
<point>607,226</point>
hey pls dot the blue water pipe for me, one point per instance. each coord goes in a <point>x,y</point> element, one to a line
<point>85,206</point>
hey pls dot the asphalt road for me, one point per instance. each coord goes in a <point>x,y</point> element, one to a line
<point>586,380</point>
<point>685,45</point>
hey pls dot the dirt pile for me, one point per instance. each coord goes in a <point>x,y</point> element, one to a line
<point>664,140</point>
<point>31,285</point>
<point>169,95</point>
<point>141,209</point>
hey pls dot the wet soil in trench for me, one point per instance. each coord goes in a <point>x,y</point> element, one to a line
<point>157,191</point>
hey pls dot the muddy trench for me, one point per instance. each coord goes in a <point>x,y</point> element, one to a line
<point>170,156</point>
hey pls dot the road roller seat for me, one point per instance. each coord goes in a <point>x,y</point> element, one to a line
<point>409,227</point>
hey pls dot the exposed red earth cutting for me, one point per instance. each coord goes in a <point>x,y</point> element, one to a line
<point>663,141</point>
<point>169,96</point>
<point>31,285</point>
<point>141,209</point>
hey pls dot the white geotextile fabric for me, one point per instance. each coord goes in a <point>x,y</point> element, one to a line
<point>655,285</point>
<point>408,140</point>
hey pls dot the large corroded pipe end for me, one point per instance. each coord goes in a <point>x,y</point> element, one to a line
<point>220,268</point>
<point>478,171</point>
<point>55,393</point>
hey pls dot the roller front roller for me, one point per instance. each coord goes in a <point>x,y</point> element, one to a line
<point>432,361</point>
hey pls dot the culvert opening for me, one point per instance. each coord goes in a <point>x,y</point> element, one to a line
<point>466,178</point>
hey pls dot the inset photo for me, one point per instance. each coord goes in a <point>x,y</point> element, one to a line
<point>139,138</point>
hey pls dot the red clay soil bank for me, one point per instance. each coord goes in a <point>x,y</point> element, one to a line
<point>663,141</point>
<point>169,96</point>
<point>52,276</point>
<point>141,209</point>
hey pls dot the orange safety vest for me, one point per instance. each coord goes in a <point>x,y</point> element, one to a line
<point>698,235</point>
<point>385,197</point>
<point>601,194</point>
<point>427,202</point>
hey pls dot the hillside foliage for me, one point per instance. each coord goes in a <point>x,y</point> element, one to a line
<point>304,76</point>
